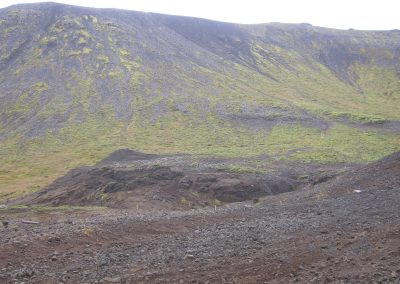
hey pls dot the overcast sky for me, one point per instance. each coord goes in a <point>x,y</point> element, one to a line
<point>343,14</point>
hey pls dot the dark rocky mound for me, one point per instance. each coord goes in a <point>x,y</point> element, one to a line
<point>116,183</point>
<point>125,179</point>
<point>126,156</point>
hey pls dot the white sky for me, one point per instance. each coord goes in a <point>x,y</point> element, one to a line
<point>343,14</point>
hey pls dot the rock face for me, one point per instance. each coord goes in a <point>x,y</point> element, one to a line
<point>153,186</point>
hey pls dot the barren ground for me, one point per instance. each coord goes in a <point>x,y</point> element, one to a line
<point>345,230</point>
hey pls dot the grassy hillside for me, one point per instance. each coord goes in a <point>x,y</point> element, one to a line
<point>78,83</point>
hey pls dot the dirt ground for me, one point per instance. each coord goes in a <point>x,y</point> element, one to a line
<point>343,230</point>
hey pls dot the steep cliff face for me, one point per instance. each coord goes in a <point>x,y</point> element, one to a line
<point>77,83</point>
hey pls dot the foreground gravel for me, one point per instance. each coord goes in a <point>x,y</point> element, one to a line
<point>306,236</point>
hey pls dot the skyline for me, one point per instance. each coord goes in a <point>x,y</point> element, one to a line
<point>340,14</point>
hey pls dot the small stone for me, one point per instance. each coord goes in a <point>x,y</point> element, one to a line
<point>53,239</point>
<point>53,258</point>
<point>25,273</point>
<point>112,280</point>
<point>103,261</point>
<point>5,223</point>
<point>69,221</point>
<point>189,256</point>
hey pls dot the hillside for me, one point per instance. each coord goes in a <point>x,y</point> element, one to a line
<point>79,83</point>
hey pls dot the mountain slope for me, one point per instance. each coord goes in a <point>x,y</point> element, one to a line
<point>78,83</point>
